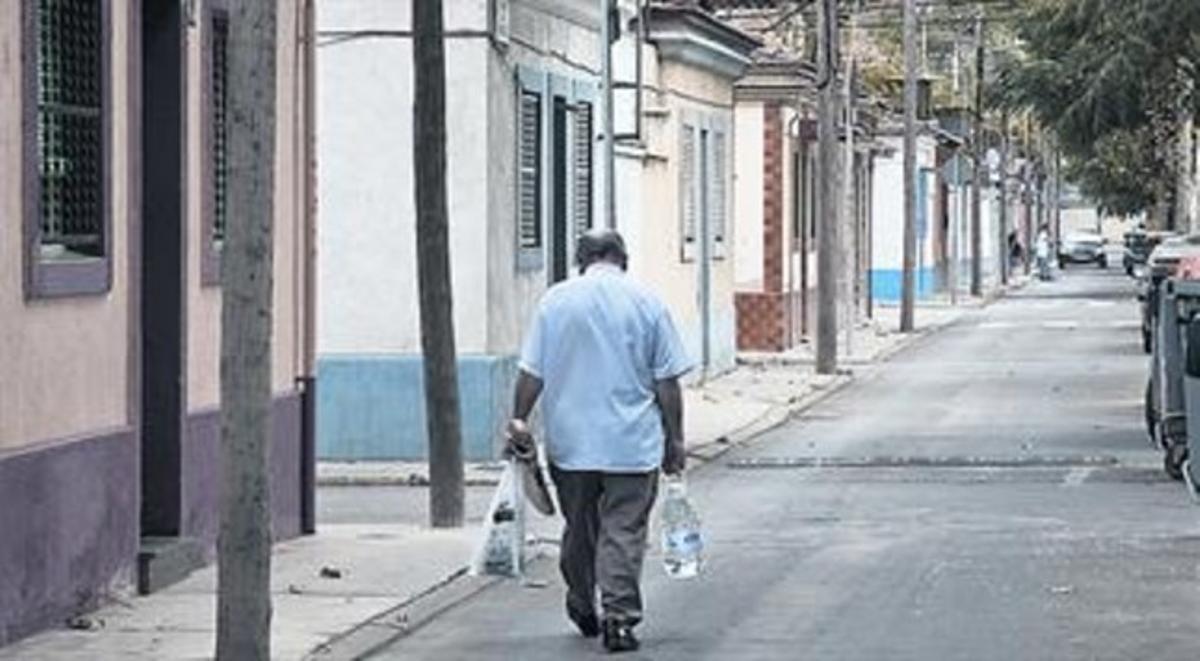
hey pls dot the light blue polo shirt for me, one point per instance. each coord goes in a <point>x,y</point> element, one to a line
<point>598,343</point>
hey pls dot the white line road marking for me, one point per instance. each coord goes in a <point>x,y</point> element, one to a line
<point>1077,476</point>
<point>1061,324</point>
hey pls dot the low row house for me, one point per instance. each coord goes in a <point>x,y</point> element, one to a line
<point>112,189</point>
<point>524,171</point>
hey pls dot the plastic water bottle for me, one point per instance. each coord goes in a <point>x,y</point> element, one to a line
<point>682,543</point>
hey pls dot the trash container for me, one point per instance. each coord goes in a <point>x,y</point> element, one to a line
<point>1191,388</point>
<point>1168,367</point>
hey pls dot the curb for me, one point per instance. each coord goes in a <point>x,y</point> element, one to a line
<point>399,621</point>
<point>773,418</point>
<point>385,629</point>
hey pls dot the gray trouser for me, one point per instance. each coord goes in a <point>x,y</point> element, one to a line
<point>604,541</point>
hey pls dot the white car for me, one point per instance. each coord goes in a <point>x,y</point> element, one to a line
<point>1083,248</point>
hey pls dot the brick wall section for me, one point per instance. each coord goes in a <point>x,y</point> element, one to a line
<point>761,321</point>
<point>772,198</point>
<point>763,317</point>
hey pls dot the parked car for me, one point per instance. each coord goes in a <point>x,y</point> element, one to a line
<point>1139,243</point>
<point>1162,264</point>
<point>1083,248</point>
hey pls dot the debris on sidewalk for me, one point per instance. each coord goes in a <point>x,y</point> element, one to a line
<point>330,573</point>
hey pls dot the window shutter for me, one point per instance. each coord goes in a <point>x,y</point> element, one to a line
<point>717,196</point>
<point>582,169</point>
<point>529,184</point>
<point>687,186</point>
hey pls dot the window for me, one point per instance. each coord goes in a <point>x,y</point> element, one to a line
<point>220,131</point>
<point>215,140</point>
<point>529,171</point>
<point>66,119</point>
<point>554,188</point>
<point>703,186</point>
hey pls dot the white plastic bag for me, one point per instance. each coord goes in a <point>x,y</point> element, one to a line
<point>501,549</point>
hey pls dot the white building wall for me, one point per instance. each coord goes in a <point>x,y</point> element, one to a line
<point>367,274</point>
<point>888,208</point>
<point>748,195</point>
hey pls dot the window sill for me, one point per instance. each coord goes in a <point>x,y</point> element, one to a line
<point>530,259</point>
<point>63,278</point>
<point>210,265</point>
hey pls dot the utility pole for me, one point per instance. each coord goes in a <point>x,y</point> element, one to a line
<point>443,419</point>
<point>827,198</point>
<point>979,179</point>
<point>1003,222</point>
<point>849,221</point>
<point>247,262</point>
<point>908,293</point>
<point>606,73</point>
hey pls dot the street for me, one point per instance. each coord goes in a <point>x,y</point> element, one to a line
<point>997,499</point>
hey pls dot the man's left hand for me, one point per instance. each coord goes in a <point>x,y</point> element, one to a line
<point>674,457</point>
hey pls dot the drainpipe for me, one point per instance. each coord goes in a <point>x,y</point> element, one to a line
<point>308,378</point>
<point>606,74</point>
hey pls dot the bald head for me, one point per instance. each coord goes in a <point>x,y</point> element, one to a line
<point>601,245</point>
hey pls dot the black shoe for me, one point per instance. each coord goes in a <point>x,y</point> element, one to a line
<point>618,637</point>
<point>587,623</point>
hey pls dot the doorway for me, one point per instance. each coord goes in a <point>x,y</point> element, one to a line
<point>163,311</point>
<point>560,264</point>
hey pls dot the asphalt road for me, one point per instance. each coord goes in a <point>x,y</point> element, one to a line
<point>981,515</point>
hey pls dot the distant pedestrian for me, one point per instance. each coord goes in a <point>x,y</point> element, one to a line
<point>1016,253</point>
<point>606,359</point>
<point>1042,246</point>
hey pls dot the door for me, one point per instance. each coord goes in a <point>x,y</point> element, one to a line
<point>706,251</point>
<point>163,317</point>
<point>571,157</point>
<point>559,222</point>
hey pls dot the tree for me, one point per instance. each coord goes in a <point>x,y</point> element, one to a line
<point>1106,75</point>
<point>244,541</point>
<point>827,190</point>
<point>442,415</point>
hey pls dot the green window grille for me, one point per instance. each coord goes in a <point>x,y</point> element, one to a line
<point>220,126</point>
<point>70,124</point>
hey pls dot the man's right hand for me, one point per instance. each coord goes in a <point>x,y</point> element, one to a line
<point>520,439</point>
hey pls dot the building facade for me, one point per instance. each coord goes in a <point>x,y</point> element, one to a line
<point>112,179</point>
<point>676,180</point>
<point>887,253</point>
<point>521,142</point>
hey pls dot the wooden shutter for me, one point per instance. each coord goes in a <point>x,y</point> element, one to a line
<point>717,197</point>
<point>581,169</point>
<point>689,200</point>
<point>529,170</point>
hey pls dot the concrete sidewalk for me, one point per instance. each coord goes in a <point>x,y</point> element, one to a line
<point>348,575</point>
<point>322,585</point>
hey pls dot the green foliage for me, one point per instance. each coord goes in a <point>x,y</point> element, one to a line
<point>1112,78</point>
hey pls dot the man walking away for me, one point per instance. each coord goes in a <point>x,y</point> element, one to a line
<point>606,359</point>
